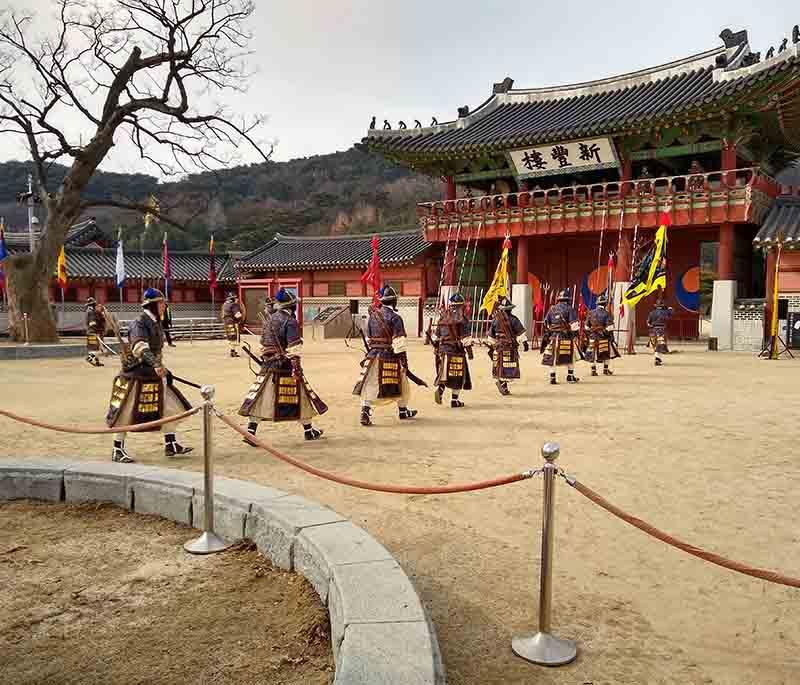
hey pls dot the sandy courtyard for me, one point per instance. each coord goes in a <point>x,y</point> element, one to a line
<point>703,448</point>
<point>96,594</point>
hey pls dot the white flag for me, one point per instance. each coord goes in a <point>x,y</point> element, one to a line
<point>120,264</point>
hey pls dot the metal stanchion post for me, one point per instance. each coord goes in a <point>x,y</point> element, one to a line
<point>209,542</point>
<point>25,320</point>
<point>543,647</point>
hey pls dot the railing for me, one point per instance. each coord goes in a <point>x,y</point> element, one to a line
<point>707,182</point>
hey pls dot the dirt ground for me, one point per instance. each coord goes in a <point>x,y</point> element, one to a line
<point>702,447</point>
<point>95,594</point>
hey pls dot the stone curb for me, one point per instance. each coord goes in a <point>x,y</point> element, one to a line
<point>380,632</point>
<point>49,351</point>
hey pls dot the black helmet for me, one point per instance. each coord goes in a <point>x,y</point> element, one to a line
<point>388,295</point>
<point>505,304</point>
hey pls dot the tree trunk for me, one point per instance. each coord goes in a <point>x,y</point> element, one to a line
<point>28,294</point>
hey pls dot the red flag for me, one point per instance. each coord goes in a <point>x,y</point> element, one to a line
<point>167,270</point>
<point>582,309</point>
<point>372,276</point>
<point>212,267</point>
<point>538,304</point>
<point>621,311</point>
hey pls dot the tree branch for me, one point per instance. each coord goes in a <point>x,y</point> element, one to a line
<point>137,207</point>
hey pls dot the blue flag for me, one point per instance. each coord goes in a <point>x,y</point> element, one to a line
<point>3,250</point>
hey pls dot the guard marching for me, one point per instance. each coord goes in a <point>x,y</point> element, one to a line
<point>95,330</point>
<point>452,347</point>
<point>280,391</point>
<point>558,342</point>
<point>657,330</point>
<point>602,347</point>
<point>505,336</point>
<point>233,318</point>
<point>384,370</point>
<point>143,391</point>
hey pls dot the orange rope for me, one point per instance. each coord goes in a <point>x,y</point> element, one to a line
<point>763,574</point>
<point>100,431</point>
<point>397,489</point>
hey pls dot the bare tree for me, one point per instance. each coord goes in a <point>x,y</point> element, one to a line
<point>143,69</point>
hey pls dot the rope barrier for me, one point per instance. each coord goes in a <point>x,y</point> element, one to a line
<point>100,431</point>
<point>376,487</point>
<point>763,574</point>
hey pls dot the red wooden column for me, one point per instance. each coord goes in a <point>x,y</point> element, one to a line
<point>727,235</point>
<point>626,173</point>
<point>449,187</point>
<point>729,160</point>
<point>522,260</point>
<point>727,249</point>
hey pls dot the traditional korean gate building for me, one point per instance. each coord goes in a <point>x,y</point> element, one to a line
<point>700,138</point>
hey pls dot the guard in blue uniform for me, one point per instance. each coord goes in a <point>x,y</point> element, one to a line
<point>601,347</point>
<point>558,342</point>
<point>383,371</point>
<point>143,390</point>
<point>657,330</point>
<point>233,318</point>
<point>281,392</point>
<point>506,334</point>
<point>95,330</point>
<point>453,347</point>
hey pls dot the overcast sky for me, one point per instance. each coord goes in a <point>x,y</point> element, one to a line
<point>324,67</point>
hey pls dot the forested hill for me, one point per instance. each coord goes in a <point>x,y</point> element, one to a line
<point>344,192</point>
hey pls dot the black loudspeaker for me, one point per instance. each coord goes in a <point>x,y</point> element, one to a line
<point>783,309</point>
<point>354,306</point>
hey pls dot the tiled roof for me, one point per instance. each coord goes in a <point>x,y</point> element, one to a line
<point>295,253</point>
<point>672,92</point>
<point>79,235</point>
<point>783,219</point>
<point>185,266</point>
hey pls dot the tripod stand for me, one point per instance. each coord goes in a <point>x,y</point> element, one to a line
<point>772,348</point>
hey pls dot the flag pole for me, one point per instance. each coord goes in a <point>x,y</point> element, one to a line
<point>632,323</point>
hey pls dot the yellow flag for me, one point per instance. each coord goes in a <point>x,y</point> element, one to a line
<point>151,215</point>
<point>61,269</point>
<point>651,274</point>
<point>499,286</point>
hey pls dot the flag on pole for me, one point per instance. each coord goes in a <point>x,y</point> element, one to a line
<point>212,266</point>
<point>372,276</point>
<point>3,253</point>
<point>120,266</point>
<point>61,269</point>
<point>499,286</point>
<point>651,273</point>
<point>167,270</point>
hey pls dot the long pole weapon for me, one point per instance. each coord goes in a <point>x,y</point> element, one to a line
<point>773,329</point>
<point>631,329</point>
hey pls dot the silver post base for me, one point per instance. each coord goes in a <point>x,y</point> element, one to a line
<point>544,649</point>
<point>207,543</point>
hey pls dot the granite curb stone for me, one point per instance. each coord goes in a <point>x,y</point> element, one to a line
<point>102,481</point>
<point>275,524</point>
<point>165,492</point>
<point>232,502</point>
<point>319,548</point>
<point>370,592</point>
<point>43,480</point>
